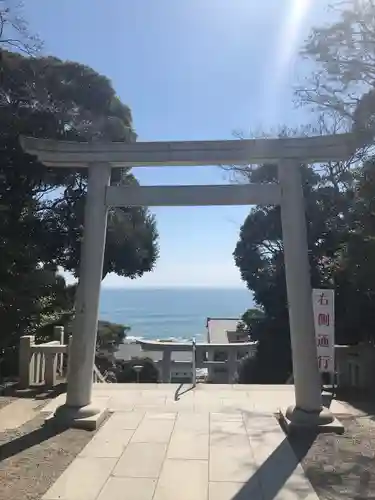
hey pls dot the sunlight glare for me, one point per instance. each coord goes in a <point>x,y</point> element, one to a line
<point>289,36</point>
<point>288,45</point>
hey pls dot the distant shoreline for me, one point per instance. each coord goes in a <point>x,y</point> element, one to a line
<point>176,287</point>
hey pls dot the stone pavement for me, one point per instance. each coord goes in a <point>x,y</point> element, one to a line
<point>216,442</point>
<point>18,412</point>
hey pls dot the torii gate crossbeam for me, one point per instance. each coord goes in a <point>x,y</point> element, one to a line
<point>99,158</point>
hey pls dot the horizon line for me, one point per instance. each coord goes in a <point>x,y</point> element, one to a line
<point>162,287</point>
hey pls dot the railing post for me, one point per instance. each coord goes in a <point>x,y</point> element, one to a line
<point>194,362</point>
<point>50,368</point>
<point>58,334</point>
<point>166,367</point>
<point>68,355</point>
<point>26,367</point>
<point>211,368</point>
<point>232,364</point>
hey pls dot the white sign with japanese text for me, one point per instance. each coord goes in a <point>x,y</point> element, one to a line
<point>324,321</point>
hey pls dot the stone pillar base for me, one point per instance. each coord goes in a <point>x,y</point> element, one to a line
<point>80,417</point>
<point>298,420</point>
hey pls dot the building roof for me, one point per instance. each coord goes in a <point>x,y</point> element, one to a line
<point>218,328</point>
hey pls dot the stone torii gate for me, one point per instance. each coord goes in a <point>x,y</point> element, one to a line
<point>99,158</point>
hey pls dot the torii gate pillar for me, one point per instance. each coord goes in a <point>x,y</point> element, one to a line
<point>308,411</point>
<point>79,410</point>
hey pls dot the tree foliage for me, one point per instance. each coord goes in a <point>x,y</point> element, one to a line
<point>329,197</point>
<point>110,336</point>
<point>249,321</point>
<point>149,373</point>
<point>343,57</point>
<point>339,198</point>
<point>343,53</point>
<point>14,29</point>
<point>41,208</point>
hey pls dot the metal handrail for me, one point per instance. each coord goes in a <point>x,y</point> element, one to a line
<point>97,376</point>
<point>194,362</point>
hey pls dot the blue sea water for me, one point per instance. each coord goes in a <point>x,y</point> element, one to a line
<point>178,313</point>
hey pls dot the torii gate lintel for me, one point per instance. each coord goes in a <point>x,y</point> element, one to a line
<point>288,154</point>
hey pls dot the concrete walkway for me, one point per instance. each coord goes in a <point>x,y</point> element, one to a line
<point>212,443</point>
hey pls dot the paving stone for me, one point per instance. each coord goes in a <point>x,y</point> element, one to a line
<point>198,422</point>
<point>155,415</point>
<point>208,407</point>
<point>272,402</point>
<point>152,408</point>
<point>206,397</point>
<point>123,420</point>
<point>212,387</point>
<point>150,431</point>
<point>258,426</point>
<point>263,448</point>
<point>120,488</point>
<point>82,480</point>
<point>296,487</point>
<point>228,405</point>
<point>228,427</point>
<point>223,434</point>
<point>183,480</point>
<point>181,404</point>
<point>237,491</point>
<point>141,460</point>
<point>116,405</point>
<point>107,444</point>
<point>150,398</point>
<point>231,464</point>
<point>226,417</point>
<point>188,444</point>
<point>228,434</point>
<point>267,440</point>
<point>232,395</point>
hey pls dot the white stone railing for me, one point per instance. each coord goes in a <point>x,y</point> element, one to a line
<point>203,356</point>
<point>43,364</point>
<point>40,364</point>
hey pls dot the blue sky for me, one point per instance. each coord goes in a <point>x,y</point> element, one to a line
<point>189,70</point>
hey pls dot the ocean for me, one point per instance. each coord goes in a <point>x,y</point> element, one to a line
<point>178,313</point>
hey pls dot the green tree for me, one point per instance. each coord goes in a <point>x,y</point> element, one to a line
<point>250,320</point>
<point>110,336</point>
<point>147,374</point>
<point>338,196</point>
<point>42,209</point>
<point>355,267</point>
<point>259,256</point>
<point>342,84</point>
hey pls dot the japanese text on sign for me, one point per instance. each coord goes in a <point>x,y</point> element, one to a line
<point>324,322</point>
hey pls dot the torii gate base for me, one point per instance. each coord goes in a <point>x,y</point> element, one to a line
<point>287,153</point>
